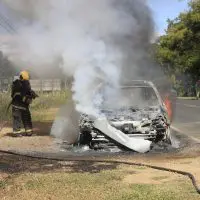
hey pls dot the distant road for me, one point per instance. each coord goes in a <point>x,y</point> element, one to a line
<point>187,118</point>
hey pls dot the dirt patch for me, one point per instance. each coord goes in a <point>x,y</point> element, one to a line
<point>149,176</point>
<point>183,164</point>
<point>40,141</point>
<point>13,164</point>
<point>3,176</point>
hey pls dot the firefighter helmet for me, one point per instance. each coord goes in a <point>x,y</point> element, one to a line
<point>24,75</point>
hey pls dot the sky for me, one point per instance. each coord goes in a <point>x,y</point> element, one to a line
<point>161,9</point>
<point>164,9</point>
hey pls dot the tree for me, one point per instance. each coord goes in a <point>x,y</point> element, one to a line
<point>178,51</point>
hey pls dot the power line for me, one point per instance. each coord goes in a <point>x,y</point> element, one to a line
<point>6,24</point>
<point>7,21</point>
<point>5,27</point>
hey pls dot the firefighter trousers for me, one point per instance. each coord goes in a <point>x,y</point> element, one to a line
<point>21,118</point>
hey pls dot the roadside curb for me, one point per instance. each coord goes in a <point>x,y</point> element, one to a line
<point>187,98</point>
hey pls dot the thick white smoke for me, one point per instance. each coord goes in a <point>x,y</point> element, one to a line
<point>94,41</point>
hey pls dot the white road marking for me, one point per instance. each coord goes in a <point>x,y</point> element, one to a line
<point>188,105</point>
<point>184,133</point>
<point>188,123</point>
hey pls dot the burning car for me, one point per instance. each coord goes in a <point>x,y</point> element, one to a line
<point>140,118</point>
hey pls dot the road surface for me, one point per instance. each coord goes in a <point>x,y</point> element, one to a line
<point>187,118</point>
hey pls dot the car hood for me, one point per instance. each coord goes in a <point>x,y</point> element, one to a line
<point>133,114</point>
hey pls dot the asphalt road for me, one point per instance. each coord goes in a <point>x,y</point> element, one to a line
<point>187,118</point>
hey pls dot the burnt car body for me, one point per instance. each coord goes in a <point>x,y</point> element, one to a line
<point>141,113</point>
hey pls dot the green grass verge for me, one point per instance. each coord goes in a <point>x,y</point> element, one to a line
<point>40,107</point>
<point>187,98</point>
<point>106,185</point>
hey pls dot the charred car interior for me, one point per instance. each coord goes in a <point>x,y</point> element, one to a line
<point>140,118</point>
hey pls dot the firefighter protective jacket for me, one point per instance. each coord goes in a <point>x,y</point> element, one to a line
<point>21,93</point>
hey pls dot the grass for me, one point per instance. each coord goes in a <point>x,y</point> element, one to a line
<point>49,100</point>
<point>105,185</point>
<point>2,184</point>
<point>41,107</point>
<point>187,98</point>
<point>4,102</point>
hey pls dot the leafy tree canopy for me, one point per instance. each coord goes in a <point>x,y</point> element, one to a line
<point>179,48</point>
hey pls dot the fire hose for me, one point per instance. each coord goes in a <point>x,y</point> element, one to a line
<point>184,173</point>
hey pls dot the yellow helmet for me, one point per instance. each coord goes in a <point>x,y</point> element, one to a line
<point>24,75</point>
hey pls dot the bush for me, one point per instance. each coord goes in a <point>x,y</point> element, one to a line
<point>39,105</point>
<point>5,99</point>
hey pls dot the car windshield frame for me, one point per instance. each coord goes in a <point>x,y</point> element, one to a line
<point>153,90</point>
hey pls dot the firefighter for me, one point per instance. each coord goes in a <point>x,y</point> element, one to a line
<point>22,96</point>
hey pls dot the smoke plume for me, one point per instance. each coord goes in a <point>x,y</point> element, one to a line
<point>66,124</point>
<point>94,41</point>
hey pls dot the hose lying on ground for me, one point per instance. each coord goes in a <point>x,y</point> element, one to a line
<point>79,159</point>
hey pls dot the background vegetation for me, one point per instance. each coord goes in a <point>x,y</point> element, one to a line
<point>41,107</point>
<point>178,51</point>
